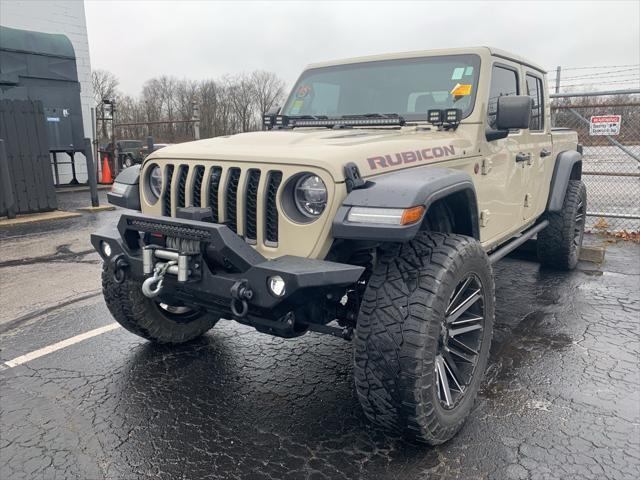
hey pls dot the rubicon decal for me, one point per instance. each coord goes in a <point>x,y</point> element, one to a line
<point>425,154</point>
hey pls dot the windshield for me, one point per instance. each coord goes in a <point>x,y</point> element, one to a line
<point>407,87</point>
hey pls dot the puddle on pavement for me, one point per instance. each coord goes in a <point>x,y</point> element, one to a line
<point>514,346</point>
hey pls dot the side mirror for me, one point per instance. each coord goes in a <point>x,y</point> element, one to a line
<point>514,112</point>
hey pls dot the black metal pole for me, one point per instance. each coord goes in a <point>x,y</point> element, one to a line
<point>74,180</point>
<point>7,185</point>
<point>91,172</point>
<point>55,168</point>
<point>150,145</point>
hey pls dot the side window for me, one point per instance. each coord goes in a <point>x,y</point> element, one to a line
<point>534,90</point>
<point>504,81</point>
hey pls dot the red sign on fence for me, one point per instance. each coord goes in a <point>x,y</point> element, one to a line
<point>605,125</point>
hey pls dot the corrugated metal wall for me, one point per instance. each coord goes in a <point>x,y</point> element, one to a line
<point>23,129</point>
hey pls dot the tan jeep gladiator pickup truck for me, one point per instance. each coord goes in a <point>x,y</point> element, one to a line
<point>372,206</point>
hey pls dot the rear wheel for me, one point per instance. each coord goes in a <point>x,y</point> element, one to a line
<point>423,335</point>
<point>559,244</point>
<point>150,319</point>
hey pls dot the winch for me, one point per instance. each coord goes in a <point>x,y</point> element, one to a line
<point>170,262</point>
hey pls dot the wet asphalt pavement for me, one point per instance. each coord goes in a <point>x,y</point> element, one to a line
<point>561,398</point>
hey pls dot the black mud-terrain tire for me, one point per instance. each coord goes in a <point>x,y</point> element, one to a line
<point>144,316</point>
<point>559,244</point>
<point>398,329</point>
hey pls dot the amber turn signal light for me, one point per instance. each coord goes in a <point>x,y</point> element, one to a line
<point>412,215</point>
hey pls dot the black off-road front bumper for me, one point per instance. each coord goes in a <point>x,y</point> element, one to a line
<point>222,273</point>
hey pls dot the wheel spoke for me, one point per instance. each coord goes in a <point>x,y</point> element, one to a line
<point>444,382</point>
<point>462,321</point>
<point>453,332</point>
<point>454,351</point>
<point>452,368</point>
<point>457,343</point>
<point>464,306</point>
<point>458,294</point>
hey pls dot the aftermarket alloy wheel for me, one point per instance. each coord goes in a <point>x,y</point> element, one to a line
<point>559,244</point>
<point>151,319</point>
<point>423,335</point>
<point>460,341</point>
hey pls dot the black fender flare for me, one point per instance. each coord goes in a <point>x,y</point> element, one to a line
<point>403,189</point>
<point>567,163</point>
<point>127,193</point>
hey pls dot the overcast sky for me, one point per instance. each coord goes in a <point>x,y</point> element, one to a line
<point>138,40</point>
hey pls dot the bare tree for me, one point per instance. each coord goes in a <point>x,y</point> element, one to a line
<point>228,105</point>
<point>268,90</point>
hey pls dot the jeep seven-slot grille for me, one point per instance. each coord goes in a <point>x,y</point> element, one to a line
<point>183,171</point>
<point>209,184</point>
<point>214,183</point>
<point>167,191</point>
<point>197,185</point>
<point>251,206</point>
<point>271,209</point>
<point>232,199</point>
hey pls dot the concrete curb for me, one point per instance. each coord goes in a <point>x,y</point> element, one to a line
<point>101,208</point>
<point>38,217</point>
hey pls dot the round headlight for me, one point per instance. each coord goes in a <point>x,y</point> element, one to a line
<point>155,181</point>
<point>310,195</point>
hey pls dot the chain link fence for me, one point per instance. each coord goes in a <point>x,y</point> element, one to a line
<point>611,164</point>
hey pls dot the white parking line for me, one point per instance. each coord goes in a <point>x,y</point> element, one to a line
<point>60,345</point>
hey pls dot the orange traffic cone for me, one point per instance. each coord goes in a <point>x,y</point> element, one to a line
<point>106,171</point>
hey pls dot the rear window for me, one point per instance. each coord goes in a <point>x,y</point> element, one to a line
<point>534,90</point>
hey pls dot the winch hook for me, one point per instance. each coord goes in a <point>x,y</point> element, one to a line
<point>152,286</point>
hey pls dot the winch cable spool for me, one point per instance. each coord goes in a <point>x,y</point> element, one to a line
<point>186,246</point>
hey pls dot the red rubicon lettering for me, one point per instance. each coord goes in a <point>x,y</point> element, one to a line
<point>394,160</point>
<point>375,162</point>
<point>391,160</point>
<point>409,157</point>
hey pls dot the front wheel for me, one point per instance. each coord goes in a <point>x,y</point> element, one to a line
<point>423,335</point>
<point>151,319</point>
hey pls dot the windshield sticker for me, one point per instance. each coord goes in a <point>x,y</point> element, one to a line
<point>461,90</point>
<point>296,107</point>
<point>457,73</point>
<point>468,71</point>
<point>426,154</point>
<point>303,91</point>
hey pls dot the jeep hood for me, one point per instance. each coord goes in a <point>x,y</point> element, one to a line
<point>374,151</point>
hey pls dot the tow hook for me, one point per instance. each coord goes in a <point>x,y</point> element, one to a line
<point>118,266</point>
<point>152,286</point>
<point>240,293</point>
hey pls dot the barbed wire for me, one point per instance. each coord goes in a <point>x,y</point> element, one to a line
<point>618,73</point>
<point>604,82</point>
<point>597,66</point>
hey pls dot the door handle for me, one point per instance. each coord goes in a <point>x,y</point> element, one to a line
<point>523,157</point>
<point>544,153</point>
